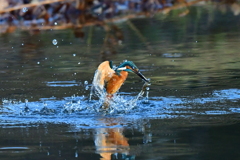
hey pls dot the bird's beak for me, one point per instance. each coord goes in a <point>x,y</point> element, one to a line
<point>141,76</point>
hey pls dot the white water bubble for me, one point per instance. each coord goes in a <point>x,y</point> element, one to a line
<point>86,82</point>
<point>74,55</point>
<point>55,23</point>
<point>54,42</point>
<point>79,62</point>
<point>26,101</point>
<point>38,62</point>
<point>147,88</point>
<point>22,44</point>
<point>25,9</point>
<point>76,154</point>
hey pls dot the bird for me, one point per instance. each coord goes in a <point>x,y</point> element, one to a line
<point>110,80</point>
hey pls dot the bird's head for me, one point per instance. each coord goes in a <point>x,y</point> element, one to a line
<point>129,66</point>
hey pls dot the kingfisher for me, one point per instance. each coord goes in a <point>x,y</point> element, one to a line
<point>109,79</point>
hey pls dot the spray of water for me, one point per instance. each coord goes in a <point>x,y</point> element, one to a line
<point>117,103</point>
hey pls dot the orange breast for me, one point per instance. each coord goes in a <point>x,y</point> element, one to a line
<point>116,81</point>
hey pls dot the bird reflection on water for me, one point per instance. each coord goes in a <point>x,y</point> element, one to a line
<point>108,80</point>
<point>111,141</point>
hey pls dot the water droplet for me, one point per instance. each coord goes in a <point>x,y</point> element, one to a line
<point>26,101</point>
<point>38,62</point>
<point>86,82</point>
<point>79,62</point>
<point>147,88</point>
<point>22,44</point>
<point>55,23</point>
<point>76,154</point>
<point>74,55</point>
<point>54,42</point>
<point>196,41</point>
<point>25,9</point>
<point>75,73</point>
<point>57,46</point>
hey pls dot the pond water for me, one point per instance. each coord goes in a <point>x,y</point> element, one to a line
<point>191,110</point>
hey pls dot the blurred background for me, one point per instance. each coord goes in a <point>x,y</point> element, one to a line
<point>50,49</point>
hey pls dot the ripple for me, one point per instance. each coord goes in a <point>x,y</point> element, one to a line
<point>79,111</point>
<point>13,148</point>
<point>62,83</point>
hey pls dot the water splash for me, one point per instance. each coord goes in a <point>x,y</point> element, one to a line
<point>84,113</point>
<point>114,103</point>
<point>144,88</point>
<point>54,42</point>
<point>97,89</point>
<point>25,9</point>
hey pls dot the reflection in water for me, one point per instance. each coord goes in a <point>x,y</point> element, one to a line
<point>116,138</point>
<point>109,141</point>
<point>193,106</point>
<point>174,128</point>
<point>46,15</point>
<point>113,39</point>
<point>30,52</point>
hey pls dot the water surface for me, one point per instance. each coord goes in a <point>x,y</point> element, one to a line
<point>192,111</point>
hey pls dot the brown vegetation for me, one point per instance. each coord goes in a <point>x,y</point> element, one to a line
<point>61,14</point>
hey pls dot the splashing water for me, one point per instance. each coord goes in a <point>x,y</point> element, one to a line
<point>25,9</point>
<point>84,113</point>
<point>117,103</point>
<point>54,42</point>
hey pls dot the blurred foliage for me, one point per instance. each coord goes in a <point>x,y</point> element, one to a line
<point>37,15</point>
